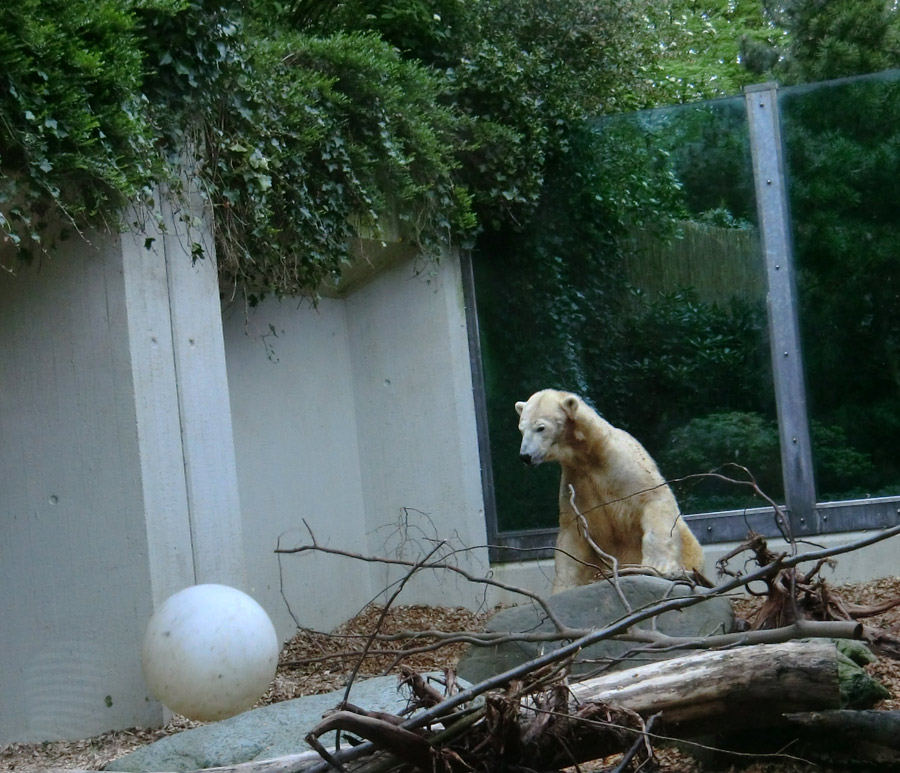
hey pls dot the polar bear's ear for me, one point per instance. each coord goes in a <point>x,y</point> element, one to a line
<point>570,406</point>
<point>520,406</point>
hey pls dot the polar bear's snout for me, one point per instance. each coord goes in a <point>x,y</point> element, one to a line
<point>530,452</point>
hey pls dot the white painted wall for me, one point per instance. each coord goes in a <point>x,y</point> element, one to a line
<point>74,568</point>
<point>296,444</point>
<point>355,417</point>
<point>120,476</point>
<point>207,441</point>
<point>111,496</point>
<point>418,442</point>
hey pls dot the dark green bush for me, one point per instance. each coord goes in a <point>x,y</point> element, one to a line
<point>722,443</point>
<point>680,356</point>
<point>76,136</point>
<point>719,441</point>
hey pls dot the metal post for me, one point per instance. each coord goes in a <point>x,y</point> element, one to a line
<point>784,335</point>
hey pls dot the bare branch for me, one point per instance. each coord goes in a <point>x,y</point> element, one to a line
<point>418,565</point>
<point>537,598</point>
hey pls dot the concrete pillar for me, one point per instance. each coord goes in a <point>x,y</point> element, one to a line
<point>418,444</point>
<point>117,481</point>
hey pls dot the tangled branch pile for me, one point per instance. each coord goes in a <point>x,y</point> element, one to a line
<point>738,686</point>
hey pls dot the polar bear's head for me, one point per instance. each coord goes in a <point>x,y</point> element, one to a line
<point>543,421</point>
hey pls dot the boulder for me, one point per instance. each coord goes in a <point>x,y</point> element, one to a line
<point>594,606</point>
<point>271,731</point>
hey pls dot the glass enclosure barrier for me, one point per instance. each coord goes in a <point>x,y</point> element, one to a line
<point>842,150</point>
<point>647,285</point>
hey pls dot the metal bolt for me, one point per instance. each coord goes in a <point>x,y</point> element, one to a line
<point>786,354</point>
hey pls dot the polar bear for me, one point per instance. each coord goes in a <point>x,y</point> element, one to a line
<point>630,511</point>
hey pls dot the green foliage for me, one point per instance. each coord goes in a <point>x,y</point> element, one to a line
<point>677,356</point>
<point>341,135</point>
<point>722,443</point>
<point>75,133</point>
<point>297,141</point>
<point>558,277</point>
<point>838,38</point>
<point>527,73</point>
<point>307,121</point>
<point>710,149</point>
<point>844,164</point>
<point>842,471</point>
<point>430,31</point>
<point>711,49</point>
<point>303,141</point>
<point>718,442</point>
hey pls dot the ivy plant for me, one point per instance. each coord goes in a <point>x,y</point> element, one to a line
<point>76,136</point>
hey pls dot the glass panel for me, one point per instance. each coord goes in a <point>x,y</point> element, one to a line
<point>842,147</point>
<point>640,286</point>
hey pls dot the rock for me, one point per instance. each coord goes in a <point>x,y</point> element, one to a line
<point>593,606</point>
<point>271,731</point>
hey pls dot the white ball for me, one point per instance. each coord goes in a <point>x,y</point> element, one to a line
<point>210,651</point>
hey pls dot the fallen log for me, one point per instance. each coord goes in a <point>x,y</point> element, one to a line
<point>720,691</point>
<point>848,737</point>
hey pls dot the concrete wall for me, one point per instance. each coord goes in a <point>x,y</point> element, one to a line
<point>298,462</point>
<point>119,471</point>
<point>74,566</point>
<point>356,417</point>
<point>418,438</point>
<point>117,482</point>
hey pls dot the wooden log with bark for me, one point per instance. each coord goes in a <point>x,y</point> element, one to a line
<point>848,737</point>
<point>711,692</point>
